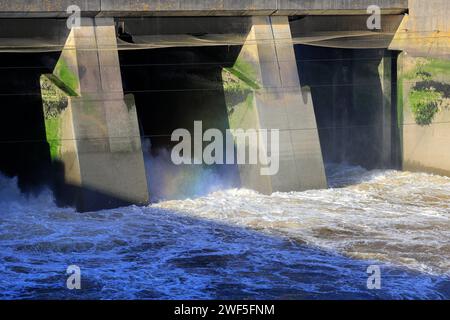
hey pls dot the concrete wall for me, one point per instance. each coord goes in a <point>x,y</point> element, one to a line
<point>46,9</point>
<point>333,7</point>
<point>424,101</point>
<point>117,8</point>
<point>426,30</point>
<point>424,86</point>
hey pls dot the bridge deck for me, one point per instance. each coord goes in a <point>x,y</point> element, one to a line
<point>126,8</point>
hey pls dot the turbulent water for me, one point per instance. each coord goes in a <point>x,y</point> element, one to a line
<point>238,244</point>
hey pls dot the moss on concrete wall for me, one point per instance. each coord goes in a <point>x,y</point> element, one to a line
<point>67,76</point>
<point>240,83</point>
<point>425,83</point>
<point>54,100</point>
<point>245,72</point>
<point>424,105</point>
<point>424,100</point>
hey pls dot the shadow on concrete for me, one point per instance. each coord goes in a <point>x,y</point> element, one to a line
<point>348,98</point>
<point>24,150</point>
<point>440,87</point>
<point>173,87</point>
<point>83,198</point>
<point>23,147</point>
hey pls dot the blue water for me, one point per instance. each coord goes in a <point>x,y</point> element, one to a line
<point>233,244</point>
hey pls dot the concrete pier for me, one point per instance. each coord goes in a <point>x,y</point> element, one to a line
<point>263,91</point>
<point>91,127</point>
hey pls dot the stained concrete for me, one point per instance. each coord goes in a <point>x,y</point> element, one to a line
<point>424,67</point>
<point>272,98</point>
<point>94,127</point>
<point>425,146</point>
<point>426,30</point>
<point>121,8</point>
<point>345,31</point>
<point>274,87</point>
<point>47,9</point>
<point>339,7</point>
<point>338,31</point>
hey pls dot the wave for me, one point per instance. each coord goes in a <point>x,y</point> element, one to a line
<point>401,218</point>
<point>237,243</point>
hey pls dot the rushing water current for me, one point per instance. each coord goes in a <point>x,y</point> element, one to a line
<point>237,244</point>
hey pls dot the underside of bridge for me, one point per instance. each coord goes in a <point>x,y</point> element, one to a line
<point>355,103</point>
<point>86,115</point>
<point>24,148</point>
<point>174,87</point>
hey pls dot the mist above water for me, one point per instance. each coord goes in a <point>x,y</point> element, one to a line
<point>400,218</point>
<point>168,181</point>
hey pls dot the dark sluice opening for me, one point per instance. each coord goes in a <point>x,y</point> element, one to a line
<point>173,87</point>
<point>347,93</point>
<point>24,149</point>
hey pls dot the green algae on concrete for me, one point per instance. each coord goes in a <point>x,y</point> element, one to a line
<point>55,98</point>
<point>55,101</point>
<point>240,83</point>
<point>245,72</point>
<point>67,76</point>
<point>424,100</point>
<point>425,83</point>
<point>424,105</point>
<point>53,132</point>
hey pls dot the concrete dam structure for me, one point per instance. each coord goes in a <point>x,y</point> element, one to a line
<point>84,82</point>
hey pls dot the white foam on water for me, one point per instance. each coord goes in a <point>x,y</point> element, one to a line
<point>236,243</point>
<point>398,217</point>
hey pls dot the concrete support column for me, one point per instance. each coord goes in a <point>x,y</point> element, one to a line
<point>92,128</point>
<point>263,92</point>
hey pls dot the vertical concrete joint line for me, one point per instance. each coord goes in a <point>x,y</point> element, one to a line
<point>98,55</point>
<point>274,40</point>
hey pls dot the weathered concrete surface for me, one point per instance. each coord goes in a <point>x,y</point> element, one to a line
<point>121,8</point>
<point>94,135</point>
<point>424,86</point>
<point>157,32</point>
<point>424,93</point>
<point>166,26</point>
<point>340,31</point>
<point>338,7</point>
<point>45,8</point>
<point>263,92</point>
<point>426,30</point>
<point>344,31</point>
<point>188,7</point>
